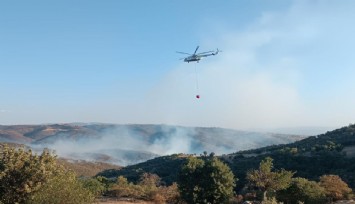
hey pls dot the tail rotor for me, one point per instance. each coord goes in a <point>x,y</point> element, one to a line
<point>217,51</point>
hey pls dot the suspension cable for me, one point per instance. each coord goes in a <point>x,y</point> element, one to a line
<point>197,89</point>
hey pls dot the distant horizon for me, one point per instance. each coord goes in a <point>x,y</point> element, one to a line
<point>301,130</point>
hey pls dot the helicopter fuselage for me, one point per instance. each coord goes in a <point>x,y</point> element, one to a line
<point>193,58</point>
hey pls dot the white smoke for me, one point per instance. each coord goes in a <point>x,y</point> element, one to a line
<point>131,144</point>
<point>121,145</point>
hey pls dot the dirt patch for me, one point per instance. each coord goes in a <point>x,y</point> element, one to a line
<point>345,202</point>
<point>121,201</point>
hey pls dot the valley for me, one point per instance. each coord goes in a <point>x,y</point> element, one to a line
<point>130,144</point>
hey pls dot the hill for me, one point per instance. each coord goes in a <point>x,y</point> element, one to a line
<point>329,153</point>
<point>130,144</point>
<point>86,169</point>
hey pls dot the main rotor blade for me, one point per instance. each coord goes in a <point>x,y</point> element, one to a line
<point>196,49</point>
<point>183,53</point>
<point>204,52</point>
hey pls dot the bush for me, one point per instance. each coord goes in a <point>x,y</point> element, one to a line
<point>206,180</point>
<point>148,189</point>
<point>302,190</point>
<point>23,173</point>
<point>267,180</point>
<point>27,177</point>
<point>93,185</point>
<point>62,189</point>
<point>335,187</point>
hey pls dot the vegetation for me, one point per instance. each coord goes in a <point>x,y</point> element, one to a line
<point>166,167</point>
<point>27,177</point>
<point>64,188</point>
<point>324,167</point>
<point>302,190</point>
<point>311,158</point>
<point>206,180</point>
<point>96,186</point>
<point>266,180</point>
<point>148,188</point>
<point>335,187</point>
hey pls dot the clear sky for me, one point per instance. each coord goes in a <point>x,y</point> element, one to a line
<point>284,63</point>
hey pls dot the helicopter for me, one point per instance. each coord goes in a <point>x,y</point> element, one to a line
<point>196,57</point>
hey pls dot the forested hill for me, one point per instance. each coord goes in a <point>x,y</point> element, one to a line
<point>342,139</point>
<point>329,153</point>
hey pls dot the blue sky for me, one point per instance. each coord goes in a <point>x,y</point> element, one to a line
<point>284,63</point>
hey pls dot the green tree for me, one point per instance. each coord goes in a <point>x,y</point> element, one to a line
<point>266,180</point>
<point>148,188</point>
<point>206,180</point>
<point>123,188</point>
<point>149,185</point>
<point>302,190</point>
<point>63,188</point>
<point>94,185</point>
<point>24,174</point>
<point>335,187</point>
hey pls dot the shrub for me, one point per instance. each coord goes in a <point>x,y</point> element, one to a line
<point>335,187</point>
<point>148,189</point>
<point>206,180</point>
<point>27,177</point>
<point>93,185</point>
<point>302,190</point>
<point>62,189</point>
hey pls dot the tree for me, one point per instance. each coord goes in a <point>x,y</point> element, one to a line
<point>149,185</point>
<point>123,188</point>
<point>267,180</point>
<point>302,190</point>
<point>148,188</point>
<point>64,188</point>
<point>335,187</point>
<point>206,180</point>
<point>24,174</point>
<point>94,185</point>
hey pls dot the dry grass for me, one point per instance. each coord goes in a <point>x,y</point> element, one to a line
<point>345,202</point>
<point>121,201</point>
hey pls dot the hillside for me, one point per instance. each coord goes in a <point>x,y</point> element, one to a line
<point>329,153</point>
<point>167,167</point>
<point>130,144</point>
<point>84,168</point>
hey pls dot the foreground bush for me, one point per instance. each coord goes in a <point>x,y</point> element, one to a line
<point>148,188</point>
<point>64,188</point>
<point>206,180</point>
<point>303,190</point>
<point>27,177</point>
<point>94,185</point>
<point>267,180</point>
<point>335,187</point>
